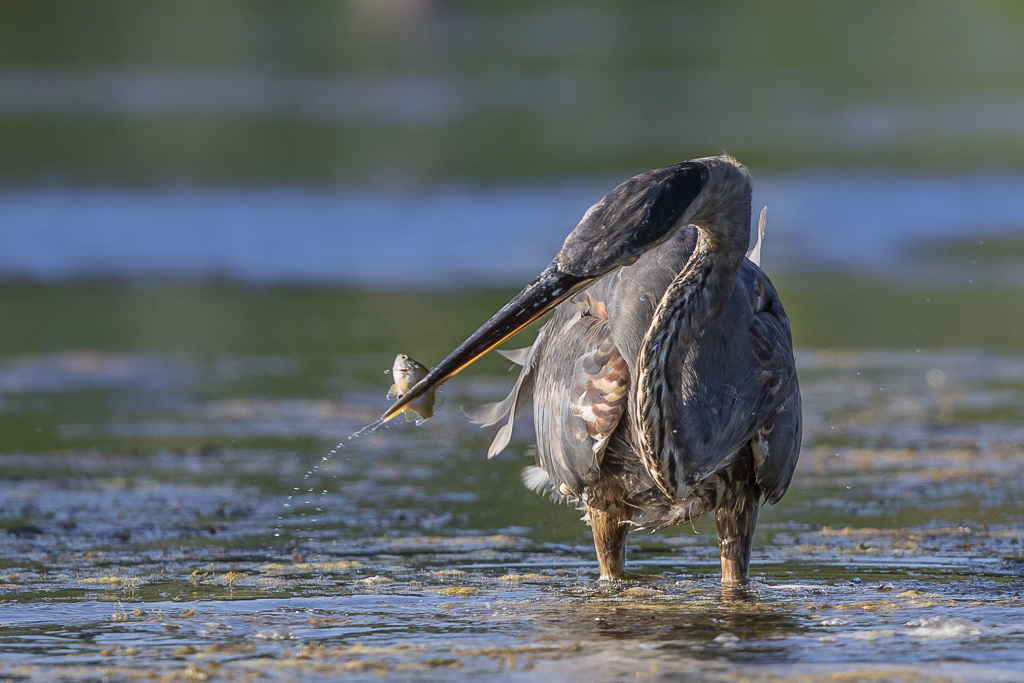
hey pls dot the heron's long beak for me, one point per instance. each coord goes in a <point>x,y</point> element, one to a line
<point>549,289</point>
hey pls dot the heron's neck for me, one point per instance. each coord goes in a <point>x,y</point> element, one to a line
<point>692,301</point>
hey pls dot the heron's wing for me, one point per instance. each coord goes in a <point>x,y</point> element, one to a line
<point>580,383</point>
<point>737,379</point>
<point>776,446</point>
<point>601,387</point>
<point>580,395</point>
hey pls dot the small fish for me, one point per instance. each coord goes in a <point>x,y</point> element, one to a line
<point>407,373</point>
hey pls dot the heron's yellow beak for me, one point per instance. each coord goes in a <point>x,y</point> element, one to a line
<point>549,289</point>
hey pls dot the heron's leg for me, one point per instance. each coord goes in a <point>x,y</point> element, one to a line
<point>610,527</point>
<point>735,519</point>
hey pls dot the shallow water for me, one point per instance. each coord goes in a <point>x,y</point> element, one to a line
<point>140,534</point>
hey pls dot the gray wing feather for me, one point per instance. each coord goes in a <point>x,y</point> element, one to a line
<point>516,356</point>
<point>777,443</point>
<point>565,448</point>
<point>779,449</point>
<point>580,384</point>
<point>492,413</point>
<point>737,386</point>
<point>734,383</point>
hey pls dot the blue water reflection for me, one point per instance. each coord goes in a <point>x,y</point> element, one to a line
<point>455,235</point>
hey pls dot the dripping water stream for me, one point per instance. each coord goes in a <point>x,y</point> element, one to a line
<point>310,491</point>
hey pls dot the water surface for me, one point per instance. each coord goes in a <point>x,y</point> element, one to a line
<point>445,236</point>
<point>174,515</point>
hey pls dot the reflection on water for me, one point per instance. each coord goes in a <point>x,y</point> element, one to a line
<point>501,235</point>
<point>138,534</point>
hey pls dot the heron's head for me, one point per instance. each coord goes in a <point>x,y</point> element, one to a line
<point>635,217</point>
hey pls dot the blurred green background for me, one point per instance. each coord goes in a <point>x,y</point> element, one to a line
<point>328,179</point>
<point>399,92</point>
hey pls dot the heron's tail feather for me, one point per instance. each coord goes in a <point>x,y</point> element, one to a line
<point>537,480</point>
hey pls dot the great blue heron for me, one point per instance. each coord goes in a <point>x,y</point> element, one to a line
<point>664,384</point>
